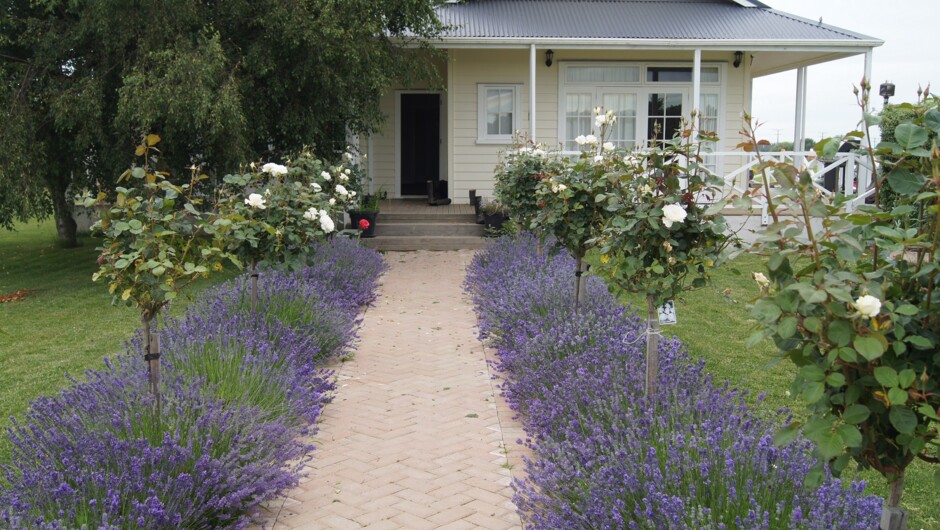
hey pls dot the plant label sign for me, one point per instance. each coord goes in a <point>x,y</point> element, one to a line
<point>667,313</point>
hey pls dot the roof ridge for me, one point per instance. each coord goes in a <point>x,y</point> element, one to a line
<point>820,24</point>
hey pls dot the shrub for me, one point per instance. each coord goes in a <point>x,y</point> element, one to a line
<point>517,176</point>
<point>854,304</point>
<point>241,387</point>
<point>690,456</point>
<point>247,359</point>
<point>99,455</point>
<point>344,267</point>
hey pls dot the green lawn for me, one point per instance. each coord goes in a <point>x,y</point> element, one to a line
<point>713,321</point>
<point>66,324</point>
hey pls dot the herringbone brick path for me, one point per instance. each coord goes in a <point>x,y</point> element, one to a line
<point>416,436</point>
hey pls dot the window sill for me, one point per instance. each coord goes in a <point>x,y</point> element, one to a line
<point>494,141</point>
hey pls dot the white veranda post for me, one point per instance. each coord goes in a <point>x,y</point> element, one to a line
<point>799,129</point>
<point>697,82</point>
<point>532,63</point>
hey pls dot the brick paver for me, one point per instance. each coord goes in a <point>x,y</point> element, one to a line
<point>416,436</point>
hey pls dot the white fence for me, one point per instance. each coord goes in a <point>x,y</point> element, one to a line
<point>848,174</point>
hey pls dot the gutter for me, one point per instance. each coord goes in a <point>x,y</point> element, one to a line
<point>855,46</point>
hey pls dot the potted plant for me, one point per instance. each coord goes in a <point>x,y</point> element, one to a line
<point>494,215</point>
<point>367,210</point>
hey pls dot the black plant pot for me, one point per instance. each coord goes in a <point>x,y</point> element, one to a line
<point>371,217</point>
<point>493,223</point>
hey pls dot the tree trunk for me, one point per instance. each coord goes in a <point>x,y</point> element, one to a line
<point>64,223</point>
<point>580,293</point>
<point>254,286</point>
<point>152,358</point>
<point>652,345</point>
<point>892,516</point>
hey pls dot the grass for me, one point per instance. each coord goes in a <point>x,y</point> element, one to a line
<point>714,322</point>
<point>65,325</point>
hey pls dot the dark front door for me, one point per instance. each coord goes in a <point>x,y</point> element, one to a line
<point>420,142</point>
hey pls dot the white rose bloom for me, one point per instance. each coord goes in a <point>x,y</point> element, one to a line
<point>591,139</point>
<point>600,120</point>
<point>562,187</point>
<point>343,178</point>
<point>598,159</point>
<point>352,193</point>
<point>341,190</point>
<point>274,169</point>
<point>255,200</point>
<point>673,213</point>
<point>347,171</point>
<point>608,146</point>
<point>761,280</point>
<point>326,176</point>
<point>316,187</point>
<point>311,214</point>
<point>327,224</point>
<point>539,152</point>
<point>332,201</point>
<point>868,306</point>
<point>581,139</point>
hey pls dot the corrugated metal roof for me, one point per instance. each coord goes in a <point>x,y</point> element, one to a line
<point>632,19</point>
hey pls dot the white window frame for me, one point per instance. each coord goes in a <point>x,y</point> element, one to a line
<point>642,89</point>
<point>482,136</point>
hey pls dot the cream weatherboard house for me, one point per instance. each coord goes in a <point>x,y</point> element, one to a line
<point>541,66</point>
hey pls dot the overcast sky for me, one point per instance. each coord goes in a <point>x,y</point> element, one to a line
<point>908,57</point>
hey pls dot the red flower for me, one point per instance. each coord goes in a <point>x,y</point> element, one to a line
<point>363,224</point>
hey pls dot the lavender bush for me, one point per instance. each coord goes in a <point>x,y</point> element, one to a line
<point>240,390</point>
<point>344,267</point>
<point>98,455</point>
<point>251,360</point>
<point>691,456</point>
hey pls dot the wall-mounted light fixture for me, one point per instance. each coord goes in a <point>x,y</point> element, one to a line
<point>738,57</point>
<point>886,90</point>
<point>549,55</point>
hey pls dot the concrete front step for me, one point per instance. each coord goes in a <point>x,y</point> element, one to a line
<point>425,218</point>
<point>425,242</point>
<point>417,228</point>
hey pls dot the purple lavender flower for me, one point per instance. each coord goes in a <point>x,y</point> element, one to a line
<point>239,391</point>
<point>691,456</point>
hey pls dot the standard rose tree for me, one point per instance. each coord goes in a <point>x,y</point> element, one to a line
<point>158,239</point>
<point>277,213</point>
<point>854,303</point>
<point>643,211</point>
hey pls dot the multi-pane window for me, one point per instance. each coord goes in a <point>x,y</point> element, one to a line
<point>603,74</point>
<point>498,112</point>
<point>680,74</point>
<point>579,117</point>
<point>650,101</point>
<point>708,122</point>
<point>664,115</point>
<point>623,131</point>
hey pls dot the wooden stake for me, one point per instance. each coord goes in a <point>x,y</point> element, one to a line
<point>652,345</point>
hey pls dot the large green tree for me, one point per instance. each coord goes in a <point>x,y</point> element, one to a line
<point>222,82</point>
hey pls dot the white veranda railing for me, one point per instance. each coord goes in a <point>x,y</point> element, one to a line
<point>848,174</point>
